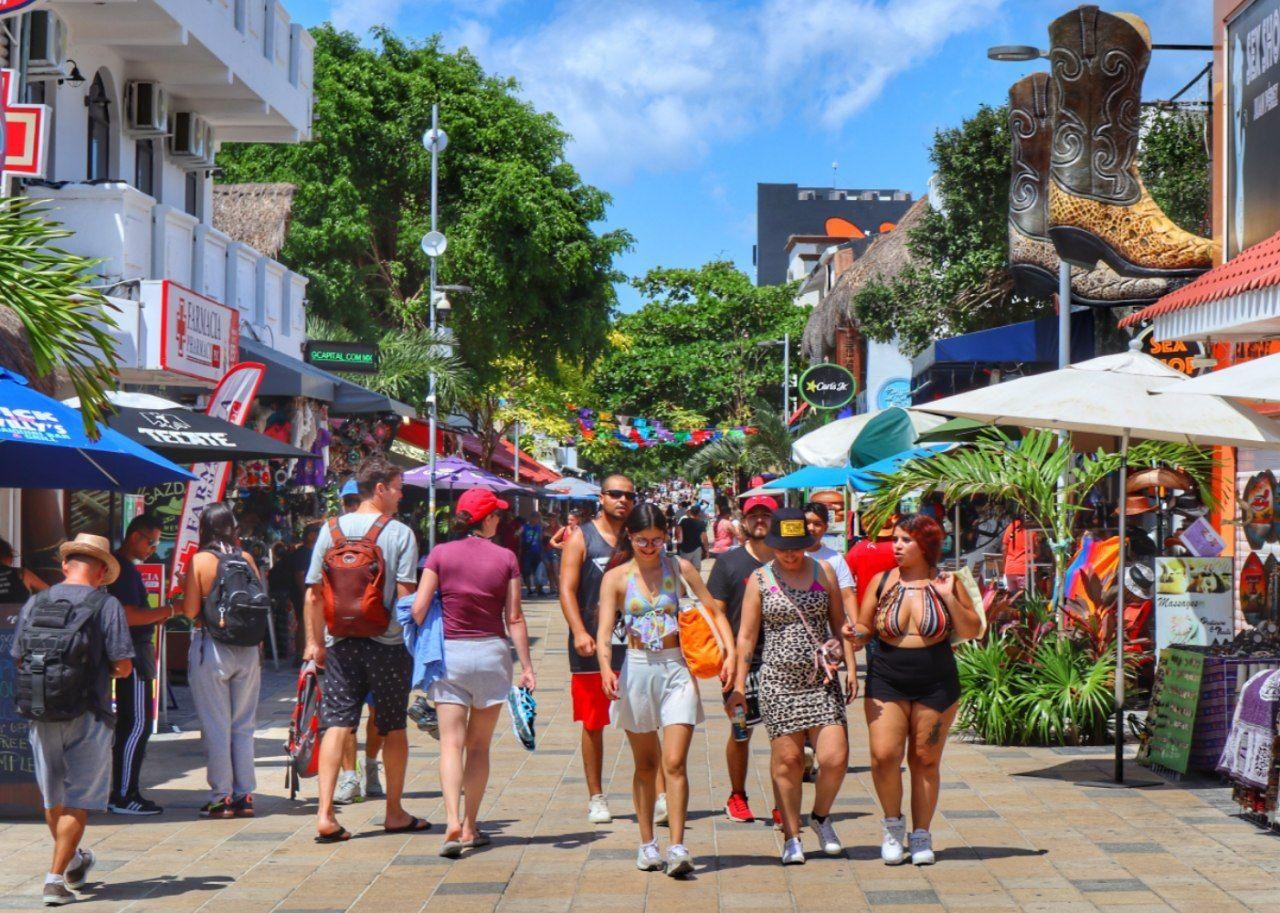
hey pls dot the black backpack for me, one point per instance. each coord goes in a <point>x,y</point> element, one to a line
<point>55,674</point>
<point>236,609</point>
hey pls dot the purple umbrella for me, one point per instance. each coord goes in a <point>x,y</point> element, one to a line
<point>456,474</point>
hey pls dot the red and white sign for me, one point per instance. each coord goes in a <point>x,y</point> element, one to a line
<point>231,400</point>
<point>198,336</point>
<point>9,7</point>
<point>26,127</point>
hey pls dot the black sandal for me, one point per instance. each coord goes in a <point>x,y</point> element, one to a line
<point>415,825</point>
<point>339,836</point>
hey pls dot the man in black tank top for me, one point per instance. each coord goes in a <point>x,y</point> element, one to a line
<point>581,570</point>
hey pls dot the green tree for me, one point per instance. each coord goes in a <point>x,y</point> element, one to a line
<point>51,319</point>
<point>1175,166</point>
<point>693,345</point>
<point>518,217</point>
<point>768,450</point>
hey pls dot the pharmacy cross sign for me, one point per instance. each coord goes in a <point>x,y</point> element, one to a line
<point>25,128</point>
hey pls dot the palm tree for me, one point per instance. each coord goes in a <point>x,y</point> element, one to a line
<point>51,320</point>
<point>1026,474</point>
<point>767,450</point>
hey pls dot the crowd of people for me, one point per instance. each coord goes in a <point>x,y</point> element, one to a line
<point>788,616</point>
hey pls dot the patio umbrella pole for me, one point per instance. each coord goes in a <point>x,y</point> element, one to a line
<point>1124,482</point>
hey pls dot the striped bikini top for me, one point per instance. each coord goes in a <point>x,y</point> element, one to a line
<point>650,620</point>
<point>893,616</point>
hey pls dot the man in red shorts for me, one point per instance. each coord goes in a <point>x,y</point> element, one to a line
<point>581,570</point>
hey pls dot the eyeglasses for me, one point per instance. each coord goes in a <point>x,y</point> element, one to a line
<point>619,494</point>
<point>649,543</point>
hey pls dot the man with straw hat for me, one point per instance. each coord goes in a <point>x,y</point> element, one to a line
<point>70,641</point>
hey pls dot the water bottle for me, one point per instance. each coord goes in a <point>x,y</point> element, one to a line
<point>740,731</point>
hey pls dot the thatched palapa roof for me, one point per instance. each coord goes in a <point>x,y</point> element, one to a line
<point>254,214</point>
<point>884,259</point>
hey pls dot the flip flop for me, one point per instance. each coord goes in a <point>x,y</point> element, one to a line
<point>452,849</point>
<point>415,825</point>
<point>339,836</point>
<point>482,839</point>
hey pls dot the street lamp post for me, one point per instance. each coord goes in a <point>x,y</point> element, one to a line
<point>433,244</point>
<point>785,342</point>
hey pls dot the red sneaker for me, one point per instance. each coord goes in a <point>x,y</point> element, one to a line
<point>737,808</point>
<point>777,820</point>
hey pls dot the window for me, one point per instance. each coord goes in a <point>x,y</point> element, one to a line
<point>194,192</point>
<point>144,166</point>
<point>99,131</point>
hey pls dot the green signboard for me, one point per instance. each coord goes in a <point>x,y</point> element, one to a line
<point>828,386</point>
<point>1174,701</point>
<point>356,357</point>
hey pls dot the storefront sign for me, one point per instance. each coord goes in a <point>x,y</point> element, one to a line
<point>894,392</point>
<point>352,357</point>
<point>1172,717</point>
<point>1193,602</point>
<point>1189,358</point>
<point>1253,125</point>
<point>828,386</point>
<point>231,400</point>
<point>199,337</point>
<point>25,126</point>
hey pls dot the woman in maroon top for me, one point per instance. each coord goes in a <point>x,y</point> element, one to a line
<point>479,585</point>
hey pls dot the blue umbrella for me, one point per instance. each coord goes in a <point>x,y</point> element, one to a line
<point>867,478</point>
<point>43,445</point>
<point>814,477</point>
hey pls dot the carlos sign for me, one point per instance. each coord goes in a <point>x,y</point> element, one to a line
<point>828,386</point>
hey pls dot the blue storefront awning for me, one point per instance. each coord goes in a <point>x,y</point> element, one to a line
<point>1028,342</point>
<point>288,376</point>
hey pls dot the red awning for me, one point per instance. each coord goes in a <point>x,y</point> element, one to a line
<point>1254,268</point>
<point>531,471</point>
<point>417,432</point>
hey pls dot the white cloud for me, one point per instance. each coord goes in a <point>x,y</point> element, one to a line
<point>361,15</point>
<point>651,84</point>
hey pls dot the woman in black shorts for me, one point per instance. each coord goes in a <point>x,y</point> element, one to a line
<point>912,682</point>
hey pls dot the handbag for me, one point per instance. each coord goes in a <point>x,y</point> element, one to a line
<point>964,578</point>
<point>828,655</point>
<point>700,641</point>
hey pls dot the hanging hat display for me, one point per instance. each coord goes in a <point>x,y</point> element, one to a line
<point>1160,477</point>
<point>1136,506</point>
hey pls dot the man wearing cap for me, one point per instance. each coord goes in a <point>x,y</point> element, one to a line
<point>727,584</point>
<point>73,757</point>
<point>581,571</point>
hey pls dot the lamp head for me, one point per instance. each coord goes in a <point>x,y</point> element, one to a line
<point>1015,53</point>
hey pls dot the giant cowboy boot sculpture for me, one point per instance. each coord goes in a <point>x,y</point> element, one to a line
<point>1032,258</point>
<point>1098,207</point>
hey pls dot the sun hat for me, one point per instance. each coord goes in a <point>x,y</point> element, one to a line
<point>479,503</point>
<point>1136,506</point>
<point>92,546</point>
<point>349,487</point>
<point>760,501</point>
<point>788,530</point>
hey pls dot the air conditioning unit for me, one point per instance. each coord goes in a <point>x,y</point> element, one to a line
<point>46,40</point>
<point>186,143</point>
<point>146,108</point>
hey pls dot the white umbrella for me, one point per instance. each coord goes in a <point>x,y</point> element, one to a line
<point>570,487</point>
<point>1256,380</point>
<point>830,445</point>
<point>1131,395</point>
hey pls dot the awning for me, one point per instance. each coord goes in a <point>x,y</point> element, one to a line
<point>287,376</point>
<point>1239,299</point>
<point>503,459</point>
<point>1028,342</point>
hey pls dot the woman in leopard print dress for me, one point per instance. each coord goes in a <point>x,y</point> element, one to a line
<point>794,603</point>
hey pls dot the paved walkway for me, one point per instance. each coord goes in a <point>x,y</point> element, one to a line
<point>1015,833</point>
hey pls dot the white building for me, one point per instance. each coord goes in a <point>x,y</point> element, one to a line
<point>140,95</point>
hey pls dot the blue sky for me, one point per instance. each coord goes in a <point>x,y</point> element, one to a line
<point>679,108</point>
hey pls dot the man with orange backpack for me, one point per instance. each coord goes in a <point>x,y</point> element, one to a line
<point>362,562</point>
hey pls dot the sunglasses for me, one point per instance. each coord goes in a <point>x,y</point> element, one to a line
<point>649,543</point>
<point>618,494</point>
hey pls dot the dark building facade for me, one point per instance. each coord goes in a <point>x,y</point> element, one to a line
<point>783,210</point>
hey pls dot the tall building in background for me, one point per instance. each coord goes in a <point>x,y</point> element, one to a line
<point>816,217</point>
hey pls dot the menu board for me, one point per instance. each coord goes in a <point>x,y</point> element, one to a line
<point>1172,717</point>
<point>18,792</point>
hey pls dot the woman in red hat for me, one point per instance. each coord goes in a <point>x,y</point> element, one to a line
<point>479,585</point>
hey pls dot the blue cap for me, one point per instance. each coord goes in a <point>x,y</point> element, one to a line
<point>349,488</point>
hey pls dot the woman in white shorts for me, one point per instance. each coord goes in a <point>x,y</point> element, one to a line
<point>655,690</point>
<point>479,584</point>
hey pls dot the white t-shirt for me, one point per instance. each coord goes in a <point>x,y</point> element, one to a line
<point>835,561</point>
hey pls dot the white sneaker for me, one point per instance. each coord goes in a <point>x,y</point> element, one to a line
<point>810,765</point>
<point>598,810</point>
<point>921,843</point>
<point>827,839</point>
<point>679,860</point>
<point>648,859</point>
<point>891,846</point>
<point>660,809</point>
<point>348,788</point>
<point>373,783</point>
<point>792,852</point>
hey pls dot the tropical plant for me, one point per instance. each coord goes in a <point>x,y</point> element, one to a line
<point>51,318</point>
<point>987,689</point>
<point>1027,475</point>
<point>407,356</point>
<point>767,450</point>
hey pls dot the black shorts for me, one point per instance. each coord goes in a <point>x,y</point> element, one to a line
<point>357,668</point>
<point>925,675</point>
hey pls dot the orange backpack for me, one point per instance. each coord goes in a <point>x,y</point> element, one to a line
<point>700,641</point>
<point>353,583</point>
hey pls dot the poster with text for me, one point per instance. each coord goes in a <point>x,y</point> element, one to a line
<point>1193,601</point>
